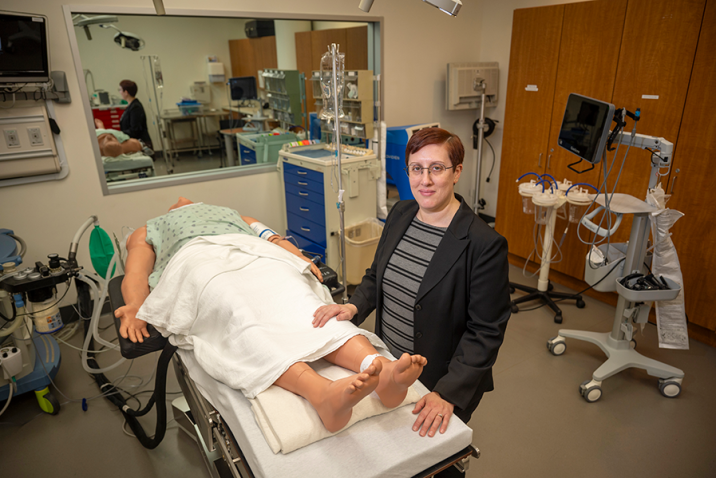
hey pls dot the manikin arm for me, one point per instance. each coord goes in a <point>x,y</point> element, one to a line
<point>135,286</point>
<point>283,243</point>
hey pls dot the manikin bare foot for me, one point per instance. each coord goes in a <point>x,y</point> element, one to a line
<point>335,402</point>
<point>397,376</point>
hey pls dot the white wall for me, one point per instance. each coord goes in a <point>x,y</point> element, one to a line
<point>318,25</point>
<point>182,44</point>
<point>418,42</point>
<point>286,41</point>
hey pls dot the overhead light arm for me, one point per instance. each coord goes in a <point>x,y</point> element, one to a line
<point>451,7</point>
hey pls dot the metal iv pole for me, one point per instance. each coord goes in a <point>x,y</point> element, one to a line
<point>337,143</point>
<point>479,84</point>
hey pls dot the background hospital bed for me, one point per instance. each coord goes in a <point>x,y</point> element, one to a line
<point>136,165</point>
<point>232,445</point>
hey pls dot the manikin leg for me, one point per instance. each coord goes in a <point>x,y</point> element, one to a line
<point>333,400</point>
<point>395,377</point>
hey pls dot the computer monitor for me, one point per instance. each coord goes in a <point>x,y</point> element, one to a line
<point>24,55</point>
<point>243,88</point>
<point>585,127</point>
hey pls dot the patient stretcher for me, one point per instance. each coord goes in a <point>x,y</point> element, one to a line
<point>232,445</point>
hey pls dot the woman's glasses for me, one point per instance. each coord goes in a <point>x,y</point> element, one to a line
<point>415,170</point>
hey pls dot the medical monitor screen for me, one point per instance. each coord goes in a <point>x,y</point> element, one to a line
<point>585,127</point>
<point>23,49</point>
<point>243,88</point>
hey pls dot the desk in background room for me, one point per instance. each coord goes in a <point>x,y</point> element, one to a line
<point>197,122</point>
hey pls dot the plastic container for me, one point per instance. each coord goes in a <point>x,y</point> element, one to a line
<point>649,295</point>
<point>594,274</point>
<point>45,311</point>
<point>527,190</point>
<point>189,107</point>
<point>578,200</point>
<point>544,202</point>
<point>263,147</point>
<point>361,244</point>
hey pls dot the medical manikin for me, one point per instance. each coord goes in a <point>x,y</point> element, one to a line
<point>333,400</point>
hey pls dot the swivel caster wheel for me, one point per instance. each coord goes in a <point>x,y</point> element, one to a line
<point>550,286</point>
<point>48,402</point>
<point>512,290</point>
<point>514,308</point>
<point>580,304</point>
<point>557,345</point>
<point>591,390</point>
<point>558,319</point>
<point>632,344</point>
<point>670,387</point>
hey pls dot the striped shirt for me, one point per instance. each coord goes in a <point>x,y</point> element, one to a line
<point>401,281</point>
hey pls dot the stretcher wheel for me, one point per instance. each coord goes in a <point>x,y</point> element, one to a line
<point>580,304</point>
<point>514,308</point>
<point>669,388</point>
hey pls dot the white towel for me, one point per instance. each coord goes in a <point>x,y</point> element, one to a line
<point>289,422</point>
<point>245,307</point>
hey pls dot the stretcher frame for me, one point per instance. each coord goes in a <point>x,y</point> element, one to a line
<point>196,416</point>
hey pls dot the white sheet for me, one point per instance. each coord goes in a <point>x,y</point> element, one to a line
<point>218,297</point>
<point>289,422</point>
<point>380,447</point>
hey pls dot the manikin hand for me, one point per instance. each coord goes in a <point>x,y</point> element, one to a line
<point>339,311</point>
<point>434,413</point>
<point>316,271</point>
<point>132,327</point>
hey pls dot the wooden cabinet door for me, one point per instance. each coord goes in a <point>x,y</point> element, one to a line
<point>242,58</point>
<point>264,53</point>
<point>655,62</point>
<point>534,55</point>
<point>588,55</point>
<point>694,195</point>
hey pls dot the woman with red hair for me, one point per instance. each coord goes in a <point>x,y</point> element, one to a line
<point>438,283</point>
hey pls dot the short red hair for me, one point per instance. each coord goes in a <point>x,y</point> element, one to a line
<point>428,136</point>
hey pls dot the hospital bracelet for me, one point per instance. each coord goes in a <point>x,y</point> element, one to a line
<point>262,230</point>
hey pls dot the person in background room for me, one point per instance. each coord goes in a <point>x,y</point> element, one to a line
<point>133,121</point>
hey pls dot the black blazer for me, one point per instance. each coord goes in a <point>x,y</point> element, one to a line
<point>134,122</point>
<point>462,306</point>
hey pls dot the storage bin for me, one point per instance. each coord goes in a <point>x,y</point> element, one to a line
<point>594,274</point>
<point>189,108</point>
<point>361,244</point>
<point>262,147</point>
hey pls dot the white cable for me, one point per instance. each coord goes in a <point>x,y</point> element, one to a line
<point>9,397</point>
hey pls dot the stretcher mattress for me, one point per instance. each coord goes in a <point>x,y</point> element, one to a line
<point>126,162</point>
<point>383,446</point>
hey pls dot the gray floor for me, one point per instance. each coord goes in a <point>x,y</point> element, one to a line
<point>534,424</point>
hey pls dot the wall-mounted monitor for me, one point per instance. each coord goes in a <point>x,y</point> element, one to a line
<point>24,55</point>
<point>585,127</point>
<point>243,88</point>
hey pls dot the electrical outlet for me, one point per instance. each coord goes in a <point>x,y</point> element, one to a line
<point>35,135</point>
<point>12,140</point>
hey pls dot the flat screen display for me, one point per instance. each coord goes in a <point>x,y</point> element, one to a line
<point>23,49</point>
<point>585,127</point>
<point>243,88</point>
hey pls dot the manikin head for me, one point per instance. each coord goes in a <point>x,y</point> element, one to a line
<point>181,202</point>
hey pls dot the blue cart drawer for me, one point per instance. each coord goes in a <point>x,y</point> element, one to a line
<point>303,172</point>
<point>308,229</point>
<point>307,245</point>
<point>247,155</point>
<point>306,209</point>
<point>303,183</point>
<point>304,193</point>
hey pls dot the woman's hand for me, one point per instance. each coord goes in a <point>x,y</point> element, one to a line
<point>132,327</point>
<point>434,413</point>
<point>339,311</point>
